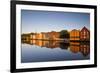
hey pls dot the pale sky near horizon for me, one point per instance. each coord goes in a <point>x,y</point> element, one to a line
<point>46,21</point>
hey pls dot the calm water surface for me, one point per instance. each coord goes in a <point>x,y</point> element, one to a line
<point>43,51</point>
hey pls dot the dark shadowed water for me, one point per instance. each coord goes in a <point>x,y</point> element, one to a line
<point>43,51</point>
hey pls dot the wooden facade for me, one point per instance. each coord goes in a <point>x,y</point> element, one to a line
<point>75,35</point>
<point>85,34</point>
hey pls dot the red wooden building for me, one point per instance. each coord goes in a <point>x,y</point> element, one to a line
<point>85,34</point>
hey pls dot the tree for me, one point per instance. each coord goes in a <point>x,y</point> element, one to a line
<point>64,34</point>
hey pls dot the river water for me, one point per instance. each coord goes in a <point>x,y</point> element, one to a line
<point>43,51</point>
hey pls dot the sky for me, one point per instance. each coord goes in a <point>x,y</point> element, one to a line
<point>46,21</point>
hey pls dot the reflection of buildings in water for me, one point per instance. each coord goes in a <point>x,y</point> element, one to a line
<point>76,47</point>
<point>52,44</point>
<point>47,44</point>
<point>64,45</point>
<point>32,42</point>
<point>41,43</point>
<point>25,41</point>
<point>85,49</point>
<point>38,43</point>
<point>74,43</point>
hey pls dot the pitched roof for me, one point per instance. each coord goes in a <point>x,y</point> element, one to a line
<point>84,28</point>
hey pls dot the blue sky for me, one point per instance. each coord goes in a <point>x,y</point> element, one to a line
<point>45,21</point>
